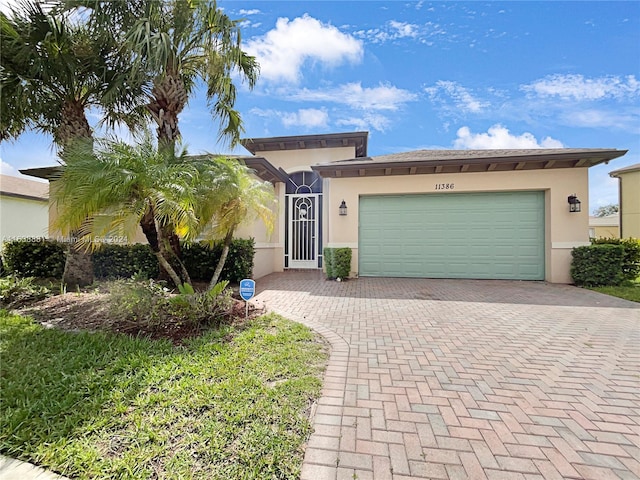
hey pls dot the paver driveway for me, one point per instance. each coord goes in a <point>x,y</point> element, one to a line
<point>448,379</point>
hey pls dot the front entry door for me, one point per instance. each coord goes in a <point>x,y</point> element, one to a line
<point>303,230</point>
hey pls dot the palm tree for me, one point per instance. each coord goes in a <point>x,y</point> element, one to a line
<point>232,196</point>
<point>181,43</point>
<point>51,71</point>
<point>172,46</point>
<point>110,189</point>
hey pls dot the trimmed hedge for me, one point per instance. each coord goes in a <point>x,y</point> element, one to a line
<point>34,258</point>
<point>598,265</point>
<point>631,259</point>
<point>124,261</point>
<point>201,260</point>
<point>46,258</point>
<point>337,262</point>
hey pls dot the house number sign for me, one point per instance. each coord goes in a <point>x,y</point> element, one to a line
<point>444,186</point>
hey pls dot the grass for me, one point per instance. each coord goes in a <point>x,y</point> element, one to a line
<point>628,292</point>
<point>229,404</point>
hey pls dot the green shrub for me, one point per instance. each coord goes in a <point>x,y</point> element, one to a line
<point>16,292</point>
<point>201,260</point>
<point>337,262</point>
<point>147,306</point>
<point>327,257</point>
<point>124,261</point>
<point>46,258</point>
<point>631,260</point>
<point>34,258</point>
<point>598,265</point>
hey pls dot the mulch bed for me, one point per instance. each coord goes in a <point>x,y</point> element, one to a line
<point>89,311</point>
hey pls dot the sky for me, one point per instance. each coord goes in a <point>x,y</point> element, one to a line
<point>429,75</point>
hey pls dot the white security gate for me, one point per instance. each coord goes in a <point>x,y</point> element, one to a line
<point>303,230</point>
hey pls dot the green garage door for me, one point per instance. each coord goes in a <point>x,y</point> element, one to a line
<point>471,235</point>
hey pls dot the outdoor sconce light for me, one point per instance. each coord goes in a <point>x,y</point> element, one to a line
<point>343,208</point>
<point>574,203</point>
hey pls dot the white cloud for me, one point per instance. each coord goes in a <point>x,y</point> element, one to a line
<point>595,118</point>
<point>306,117</point>
<point>6,169</point>
<point>366,122</point>
<point>499,137</point>
<point>577,87</point>
<point>395,30</point>
<point>463,99</point>
<point>283,51</point>
<point>254,11</point>
<point>382,97</point>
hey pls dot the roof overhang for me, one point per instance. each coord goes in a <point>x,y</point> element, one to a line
<point>629,169</point>
<point>47,173</point>
<point>358,140</point>
<point>23,196</point>
<point>265,170</point>
<point>262,168</point>
<point>465,161</point>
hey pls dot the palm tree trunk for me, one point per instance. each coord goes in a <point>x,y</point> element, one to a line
<point>78,266</point>
<point>223,258</point>
<point>148,226</point>
<point>161,255</point>
<point>168,99</point>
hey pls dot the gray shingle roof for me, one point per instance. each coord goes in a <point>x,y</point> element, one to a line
<point>23,187</point>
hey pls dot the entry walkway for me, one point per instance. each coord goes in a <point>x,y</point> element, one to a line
<point>12,469</point>
<point>457,379</point>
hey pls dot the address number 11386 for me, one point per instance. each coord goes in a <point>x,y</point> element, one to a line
<point>444,186</point>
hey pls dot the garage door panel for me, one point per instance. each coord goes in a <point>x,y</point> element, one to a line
<point>486,235</point>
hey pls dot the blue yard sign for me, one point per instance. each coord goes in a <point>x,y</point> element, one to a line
<point>247,289</point>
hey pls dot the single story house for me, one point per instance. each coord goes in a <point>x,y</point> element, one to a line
<point>629,191</point>
<point>484,214</point>
<point>604,227</point>
<point>24,208</point>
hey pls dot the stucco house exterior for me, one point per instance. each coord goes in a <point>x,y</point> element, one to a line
<point>605,227</point>
<point>629,191</point>
<point>24,208</point>
<point>485,214</point>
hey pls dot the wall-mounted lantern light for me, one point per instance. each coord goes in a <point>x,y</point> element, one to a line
<point>343,208</point>
<point>574,203</point>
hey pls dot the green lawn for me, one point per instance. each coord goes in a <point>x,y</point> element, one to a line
<point>630,292</point>
<point>230,404</point>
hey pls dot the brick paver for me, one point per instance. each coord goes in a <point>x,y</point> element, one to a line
<point>452,379</point>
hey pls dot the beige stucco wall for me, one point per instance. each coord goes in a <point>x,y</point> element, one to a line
<point>604,231</point>
<point>563,230</point>
<point>630,204</point>
<point>270,248</point>
<point>22,218</point>
<point>269,256</point>
<point>297,160</point>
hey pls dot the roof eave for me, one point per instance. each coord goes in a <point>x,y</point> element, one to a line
<point>46,173</point>
<point>358,140</point>
<point>369,167</point>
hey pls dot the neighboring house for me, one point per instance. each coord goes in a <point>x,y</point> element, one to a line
<point>24,208</point>
<point>604,227</point>
<point>629,191</point>
<point>487,214</point>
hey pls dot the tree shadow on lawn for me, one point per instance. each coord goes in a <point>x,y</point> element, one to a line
<point>58,386</point>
